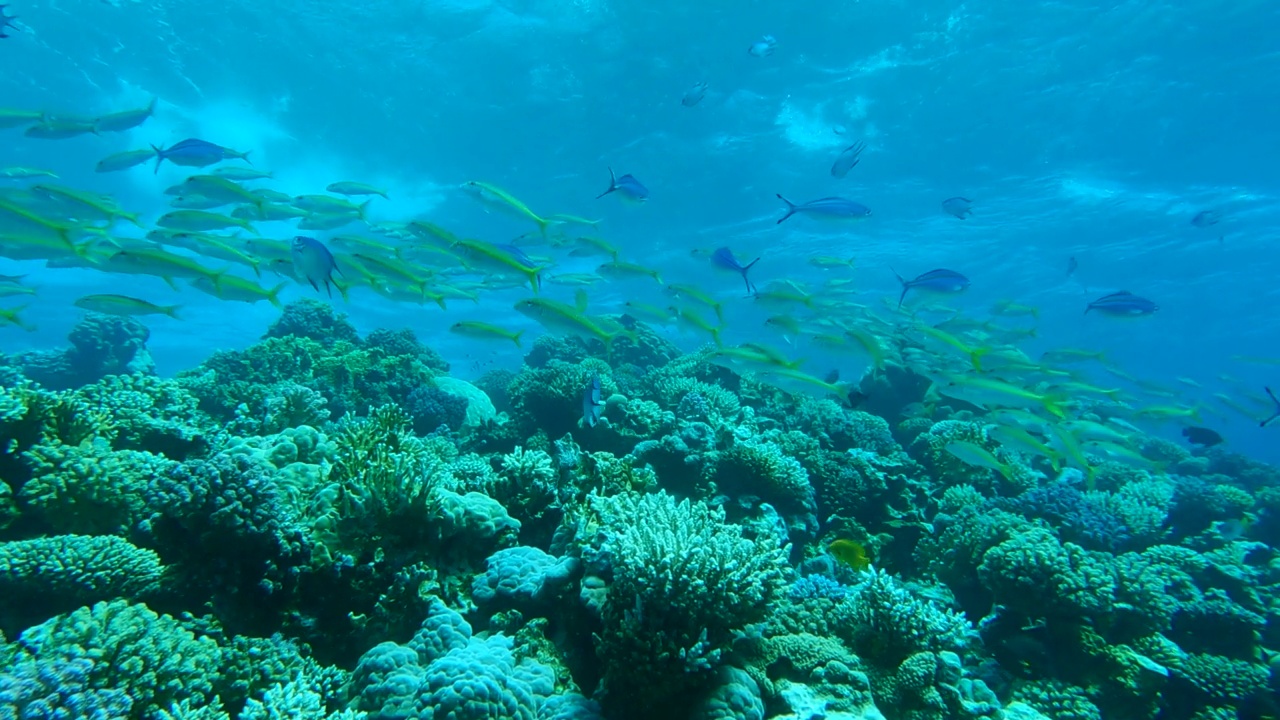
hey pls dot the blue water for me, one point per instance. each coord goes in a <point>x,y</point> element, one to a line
<point>1078,129</point>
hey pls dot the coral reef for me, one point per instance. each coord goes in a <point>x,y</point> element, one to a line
<point>324,525</point>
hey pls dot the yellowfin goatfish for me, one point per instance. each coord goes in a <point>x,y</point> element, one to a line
<point>125,120</point>
<point>18,118</point>
<point>22,173</point>
<point>237,289</point>
<point>200,221</point>
<point>124,160</point>
<point>485,331</point>
<point>495,198</point>
<point>125,305</point>
<point>560,317</point>
<point>60,129</point>
<point>13,316</point>
<point>355,188</point>
<point>978,456</point>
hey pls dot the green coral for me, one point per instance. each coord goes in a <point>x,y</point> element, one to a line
<point>89,488</point>
<point>44,576</point>
<point>682,581</point>
<point>379,491</point>
<point>148,413</point>
<point>1037,575</point>
<point>151,657</point>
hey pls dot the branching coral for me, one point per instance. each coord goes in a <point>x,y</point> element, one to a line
<point>681,581</point>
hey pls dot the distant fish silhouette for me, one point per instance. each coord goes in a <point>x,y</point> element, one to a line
<point>1207,219</point>
<point>1072,266</point>
<point>6,21</point>
<point>958,207</point>
<point>1204,437</point>
<point>627,186</point>
<point>848,159</point>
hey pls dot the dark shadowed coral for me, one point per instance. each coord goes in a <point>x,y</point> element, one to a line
<point>101,345</point>
<point>225,525</point>
<point>315,320</point>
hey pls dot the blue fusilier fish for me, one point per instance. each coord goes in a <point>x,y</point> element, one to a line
<point>194,152</point>
<point>938,281</point>
<point>694,94</point>
<point>627,187</point>
<point>827,208</point>
<point>6,21</point>
<point>958,206</point>
<point>1122,304</point>
<point>763,47</point>
<point>523,258</point>
<point>592,405</point>
<point>723,258</point>
<point>848,159</point>
<point>313,262</point>
<point>1207,219</point>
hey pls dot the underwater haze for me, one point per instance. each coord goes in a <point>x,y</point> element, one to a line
<point>594,359</point>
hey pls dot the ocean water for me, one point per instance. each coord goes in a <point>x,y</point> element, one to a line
<point>1084,133</point>
<point>1078,129</point>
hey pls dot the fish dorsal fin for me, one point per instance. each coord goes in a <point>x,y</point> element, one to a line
<point>580,300</point>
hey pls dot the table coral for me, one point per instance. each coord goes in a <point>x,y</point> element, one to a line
<point>42,577</point>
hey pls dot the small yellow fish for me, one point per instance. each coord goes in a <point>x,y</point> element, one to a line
<point>851,553</point>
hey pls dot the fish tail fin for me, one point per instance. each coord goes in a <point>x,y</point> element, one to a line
<point>169,281</point>
<point>1052,406</point>
<point>245,157</point>
<point>516,339</point>
<point>159,157</point>
<point>613,184</point>
<point>791,208</point>
<point>343,290</point>
<point>273,295</point>
<point>719,308</point>
<point>715,335</point>
<point>1035,313</point>
<point>975,357</point>
<point>905,286</point>
<point>364,208</point>
<point>441,301</point>
<point>257,268</point>
<point>657,276</point>
<point>171,311</point>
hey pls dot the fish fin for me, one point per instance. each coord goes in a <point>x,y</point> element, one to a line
<point>516,339</point>
<point>613,184</point>
<point>316,287</point>
<point>169,281</point>
<point>905,286</point>
<point>791,208</point>
<point>342,290</point>
<point>1053,408</point>
<point>719,308</point>
<point>159,157</point>
<point>364,207</point>
<point>257,269</point>
<point>245,157</point>
<point>580,300</point>
<point>715,335</point>
<point>171,311</point>
<point>273,295</point>
<point>975,357</point>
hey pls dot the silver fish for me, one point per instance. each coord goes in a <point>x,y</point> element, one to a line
<point>592,405</point>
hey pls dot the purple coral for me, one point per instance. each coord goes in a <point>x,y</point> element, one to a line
<point>1077,517</point>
